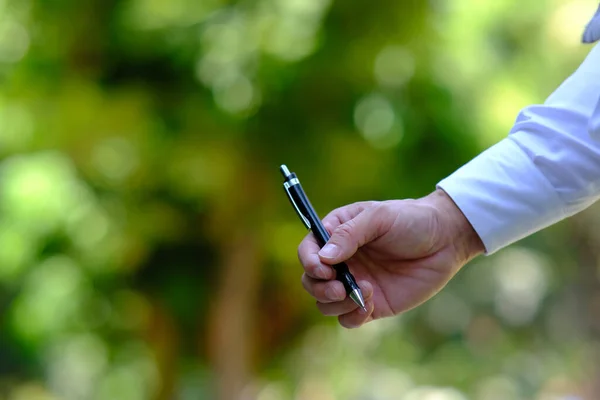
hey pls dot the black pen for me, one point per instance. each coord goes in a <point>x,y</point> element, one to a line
<point>312,221</point>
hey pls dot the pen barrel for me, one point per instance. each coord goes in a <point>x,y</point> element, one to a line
<point>307,210</point>
<point>343,275</point>
<point>305,207</point>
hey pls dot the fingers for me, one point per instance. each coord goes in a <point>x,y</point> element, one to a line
<point>309,248</point>
<point>349,313</point>
<point>324,291</point>
<point>349,236</point>
<point>358,317</point>
<point>344,214</point>
<point>309,258</point>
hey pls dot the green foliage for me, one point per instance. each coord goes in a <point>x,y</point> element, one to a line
<point>147,249</point>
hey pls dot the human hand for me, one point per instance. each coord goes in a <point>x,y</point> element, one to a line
<point>401,252</point>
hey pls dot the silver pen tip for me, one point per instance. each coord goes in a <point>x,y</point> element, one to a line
<point>357,297</point>
<point>285,171</point>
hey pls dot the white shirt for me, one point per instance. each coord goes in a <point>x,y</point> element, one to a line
<point>547,169</point>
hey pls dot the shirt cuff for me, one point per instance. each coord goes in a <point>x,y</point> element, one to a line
<point>504,196</point>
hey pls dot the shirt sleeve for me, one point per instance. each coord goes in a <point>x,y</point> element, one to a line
<point>547,169</point>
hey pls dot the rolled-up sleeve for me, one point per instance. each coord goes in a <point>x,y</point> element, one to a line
<point>548,168</point>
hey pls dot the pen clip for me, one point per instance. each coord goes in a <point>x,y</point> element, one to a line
<point>287,186</point>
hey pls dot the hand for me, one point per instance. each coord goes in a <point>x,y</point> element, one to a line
<point>401,252</point>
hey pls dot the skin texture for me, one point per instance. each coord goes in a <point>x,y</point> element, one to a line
<point>401,252</point>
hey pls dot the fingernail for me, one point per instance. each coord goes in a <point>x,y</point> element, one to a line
<point>332,294</point>
<point>329,251</point>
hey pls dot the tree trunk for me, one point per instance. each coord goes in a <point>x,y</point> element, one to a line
<point>232,317</point>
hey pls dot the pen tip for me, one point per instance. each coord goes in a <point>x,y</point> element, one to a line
<point>357,297</point>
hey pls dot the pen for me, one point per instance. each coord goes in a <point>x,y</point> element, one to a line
<point>312,222</point>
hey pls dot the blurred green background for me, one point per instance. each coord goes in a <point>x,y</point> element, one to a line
<point>148,251</point>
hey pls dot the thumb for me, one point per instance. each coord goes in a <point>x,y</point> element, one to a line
<point>348,237</point>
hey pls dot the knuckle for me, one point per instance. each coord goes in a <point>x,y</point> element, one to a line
<point>311,264</point>
<point>343,320</point>
<point>325,293</point>
<point>352,322</point>
<point>308,263</point>
<point>382,217</point>
<point>328,226</point>
<point>326,309</point>
<point>372,204</point>
<point>335,291</point>
<point>383,210</point>
<point>345,230</point>
<point>319,292</point>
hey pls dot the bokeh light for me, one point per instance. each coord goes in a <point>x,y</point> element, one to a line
<point>377,121</point>
<point>394,66</point>
<point>14,41</point>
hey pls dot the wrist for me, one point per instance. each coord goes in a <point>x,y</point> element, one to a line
<point>456,227</point>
